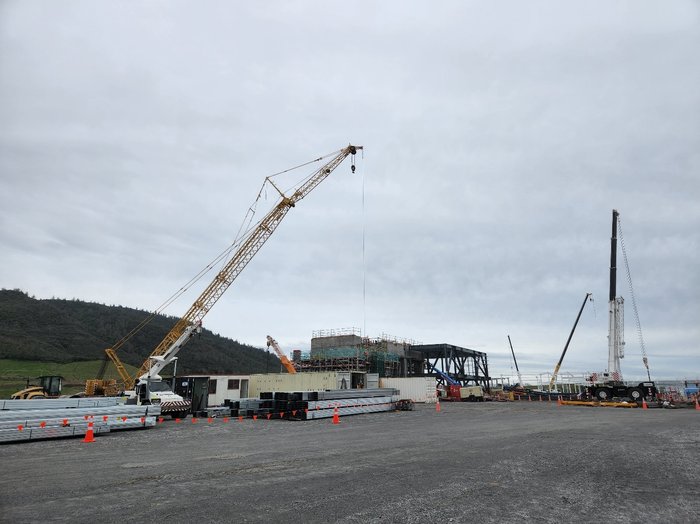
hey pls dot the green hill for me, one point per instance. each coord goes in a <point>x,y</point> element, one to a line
<point>70,331</point>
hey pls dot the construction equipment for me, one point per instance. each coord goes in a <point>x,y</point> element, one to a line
<point>520,377</point>
<point>566,346</point>
<point>454,391</point>
<point>49,387</point>
<point>283,358</point>
<point>609,384</point>
<point>147,386</point>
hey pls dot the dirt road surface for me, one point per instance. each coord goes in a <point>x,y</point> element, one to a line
<point>485,462</point>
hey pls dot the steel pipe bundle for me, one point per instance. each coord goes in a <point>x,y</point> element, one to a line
<point>30,424</point>
<point>59,403</point>
<point>357,406</point>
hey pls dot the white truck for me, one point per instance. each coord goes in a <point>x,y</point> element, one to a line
<point>152,389</point>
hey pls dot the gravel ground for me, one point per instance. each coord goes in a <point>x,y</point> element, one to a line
<point>490,462</point>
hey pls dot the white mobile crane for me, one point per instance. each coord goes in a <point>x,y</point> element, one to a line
<point>608,384</point>
<point>146,386</point>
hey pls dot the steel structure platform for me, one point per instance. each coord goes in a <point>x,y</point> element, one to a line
<point>466,366</point>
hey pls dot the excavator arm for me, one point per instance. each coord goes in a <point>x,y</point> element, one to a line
<point>249,246</point>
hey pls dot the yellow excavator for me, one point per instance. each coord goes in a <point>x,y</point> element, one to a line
<point>145,381</point>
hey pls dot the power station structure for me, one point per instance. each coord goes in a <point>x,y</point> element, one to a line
<point>347,350</point>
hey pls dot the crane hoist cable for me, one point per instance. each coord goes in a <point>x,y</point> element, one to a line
<point>645,359</point>
<point>222,258</point>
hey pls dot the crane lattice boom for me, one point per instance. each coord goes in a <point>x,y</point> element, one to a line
<point>251,244</point>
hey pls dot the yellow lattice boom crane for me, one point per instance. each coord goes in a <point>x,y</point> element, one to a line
<point>251,243</point>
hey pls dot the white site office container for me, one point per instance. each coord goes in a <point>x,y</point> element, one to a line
<point>306,381</point>
<point>260,383</point>
<point>418,389</point>
<point>227,387</point>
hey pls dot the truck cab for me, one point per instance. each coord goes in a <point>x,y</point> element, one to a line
<point>159,392</point>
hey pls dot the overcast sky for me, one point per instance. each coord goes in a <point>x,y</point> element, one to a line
<point>498,138</point>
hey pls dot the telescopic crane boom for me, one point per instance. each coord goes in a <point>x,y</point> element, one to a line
<point>191,321</point>
<point>520,377</point>
<point>568,340</point>
<point>285,361</point>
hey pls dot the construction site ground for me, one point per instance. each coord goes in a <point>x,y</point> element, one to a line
<point>480,462</point>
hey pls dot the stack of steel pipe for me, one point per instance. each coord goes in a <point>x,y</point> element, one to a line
<point>31,424</point>
<point>309,405</point>
<point>56,403</point>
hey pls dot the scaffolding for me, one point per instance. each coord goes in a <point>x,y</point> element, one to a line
<point>345,349</point>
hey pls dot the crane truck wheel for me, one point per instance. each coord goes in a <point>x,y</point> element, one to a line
<point>603,394</point>
<point>635,394</point>
<point>178,414</point>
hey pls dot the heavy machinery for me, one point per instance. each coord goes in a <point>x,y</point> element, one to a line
<point>517,369</point>
<point>456,392</point>
<point>608,384</point>
<point>566,346</point>
<point>146,386</point>
<point>283,358</point>
<point>49,387</point>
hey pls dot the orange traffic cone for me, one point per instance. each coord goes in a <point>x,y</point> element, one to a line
<point>559,403</point>
<point>437,406</point>
<point>540,398</point>
<point>89,436</point>
<point>644,404</point>
<point>529,398</point>
<point>336,418</point>
<point>697,405</point>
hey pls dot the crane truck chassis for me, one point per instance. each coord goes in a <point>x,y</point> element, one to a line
<point>158,392</point>
<point>608,388</point>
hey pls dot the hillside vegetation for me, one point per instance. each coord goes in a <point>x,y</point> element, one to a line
<point>70,331</point>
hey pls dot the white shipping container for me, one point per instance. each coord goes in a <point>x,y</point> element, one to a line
<point>418,389</point>
<point>297,382</point>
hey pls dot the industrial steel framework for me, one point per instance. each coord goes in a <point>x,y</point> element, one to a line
<point>466,366</point>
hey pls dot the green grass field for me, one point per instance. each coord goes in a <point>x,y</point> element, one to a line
<point>14,374</point>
